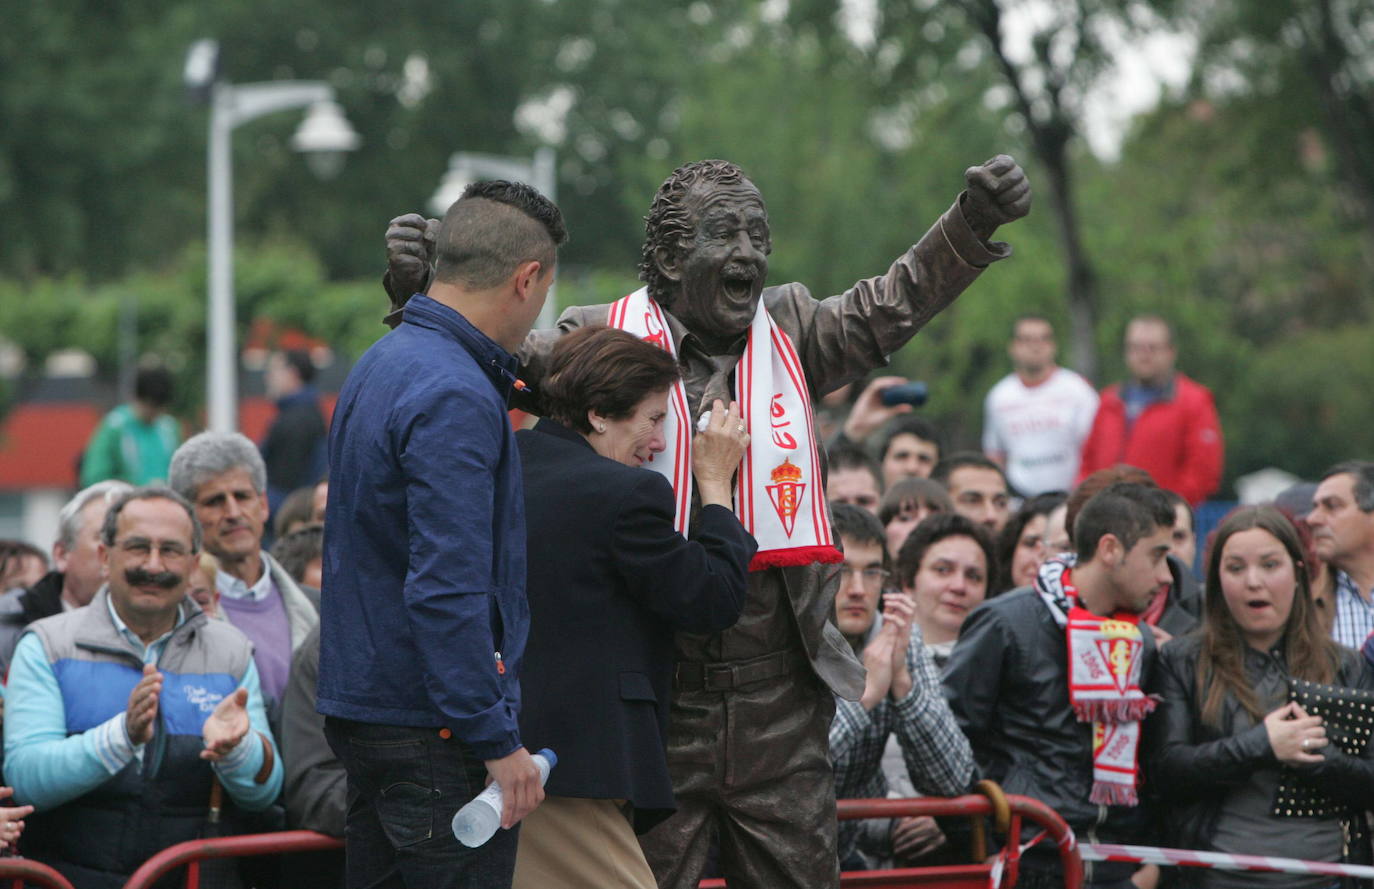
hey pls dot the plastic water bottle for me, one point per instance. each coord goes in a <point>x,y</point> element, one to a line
<point>476,822</point>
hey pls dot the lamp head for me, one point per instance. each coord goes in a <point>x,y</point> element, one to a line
<point>202,68</point>
<point>324,136</point>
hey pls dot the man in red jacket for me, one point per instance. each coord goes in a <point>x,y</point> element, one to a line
<point>1159,420</point>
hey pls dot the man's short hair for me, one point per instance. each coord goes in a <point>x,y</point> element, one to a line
<point>933,529</point>
<point>1098,482</point>
<point>1176,500</point>
<point>1125,510</point>
<point>1152,319</point>
<point>960,459</point>
<point>1363,473</point>
<point>297,550</point>
<point>209,454</point>
<point>1029,316</point>
<point>849,456</point>
<point>149,492</point>
<point>911,425</point>
<point>669,223</point>
<point>493,228</point>
<point>857,524</point>
<point>69,519</point>
<point>153,385</point>
<point>299,361</point>
<point>913,492</point>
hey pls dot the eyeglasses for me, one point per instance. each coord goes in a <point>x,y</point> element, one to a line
<point>139,548</point>
<point>871,578</point>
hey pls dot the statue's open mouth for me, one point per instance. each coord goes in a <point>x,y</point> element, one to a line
<point>738,285</point>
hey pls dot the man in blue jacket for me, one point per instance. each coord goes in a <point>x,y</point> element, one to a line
<point>423,617</point>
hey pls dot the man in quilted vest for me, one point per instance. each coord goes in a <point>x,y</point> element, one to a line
<point>122,715</point>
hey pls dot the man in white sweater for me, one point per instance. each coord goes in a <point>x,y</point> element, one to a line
<point>1036,418</point>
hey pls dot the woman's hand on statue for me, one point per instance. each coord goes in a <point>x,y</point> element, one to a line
<point>717,451</point>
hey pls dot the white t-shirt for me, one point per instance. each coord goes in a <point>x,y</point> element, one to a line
<point>1040,429</point>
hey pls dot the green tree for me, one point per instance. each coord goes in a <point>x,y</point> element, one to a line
<point>1313,57</point>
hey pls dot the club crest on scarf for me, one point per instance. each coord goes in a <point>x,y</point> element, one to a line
<point>786,493</point>
<point>1120,650</point>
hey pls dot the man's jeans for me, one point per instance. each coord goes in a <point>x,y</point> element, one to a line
<point>404,787</point>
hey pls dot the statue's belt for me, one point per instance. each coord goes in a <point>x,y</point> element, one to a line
<point>725,675</point>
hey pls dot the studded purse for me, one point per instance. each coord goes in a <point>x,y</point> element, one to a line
<point>1349,717</point>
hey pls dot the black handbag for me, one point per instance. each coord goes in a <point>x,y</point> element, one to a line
<point>1348,714</point>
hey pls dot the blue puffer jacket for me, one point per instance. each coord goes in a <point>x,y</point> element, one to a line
<point>97,839</point>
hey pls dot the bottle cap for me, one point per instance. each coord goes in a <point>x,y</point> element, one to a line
<point>550,756</point>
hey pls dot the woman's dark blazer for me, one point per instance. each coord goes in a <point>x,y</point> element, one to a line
<point>609,583</point>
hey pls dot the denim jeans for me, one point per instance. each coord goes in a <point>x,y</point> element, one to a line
<point>404,787</point>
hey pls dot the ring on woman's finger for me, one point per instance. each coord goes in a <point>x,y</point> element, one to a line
<point>1306,742</point>
<point>741,427</point>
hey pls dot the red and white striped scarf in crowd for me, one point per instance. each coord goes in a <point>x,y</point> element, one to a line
<point>1105,656</point>
<point>778,497</point>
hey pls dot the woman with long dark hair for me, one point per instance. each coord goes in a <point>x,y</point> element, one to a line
<point>1226,737</point>
<point>905,505</point>
<point>1024,544</point>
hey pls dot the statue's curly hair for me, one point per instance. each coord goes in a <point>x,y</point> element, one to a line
<point>668,223</point>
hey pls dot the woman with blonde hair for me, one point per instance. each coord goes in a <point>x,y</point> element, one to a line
<point>202,587</point>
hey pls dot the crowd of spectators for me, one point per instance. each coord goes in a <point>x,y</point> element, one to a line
<point>161,663</point>
<point>146,658</point>
<point>1201,741</point>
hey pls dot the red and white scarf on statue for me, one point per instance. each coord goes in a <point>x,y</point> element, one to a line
<point>778,496</point>
<point>1105,656</point>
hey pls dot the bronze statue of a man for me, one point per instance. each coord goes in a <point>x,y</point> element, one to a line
<point>752,706</point>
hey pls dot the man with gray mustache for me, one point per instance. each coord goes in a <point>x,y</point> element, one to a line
<point>121,715</point>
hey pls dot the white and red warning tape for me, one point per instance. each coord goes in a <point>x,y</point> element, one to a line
<point>1219,860</point>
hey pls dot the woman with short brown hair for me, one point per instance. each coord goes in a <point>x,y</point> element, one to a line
<point>610,582</point>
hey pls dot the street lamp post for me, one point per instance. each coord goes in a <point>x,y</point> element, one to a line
<point>467,167</point>
<point>324,132</point>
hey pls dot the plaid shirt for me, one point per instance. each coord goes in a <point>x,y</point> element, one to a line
<point>937,754</point>
<point>1354,616</point>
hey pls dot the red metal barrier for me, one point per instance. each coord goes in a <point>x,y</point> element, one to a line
<point>955,876</point>
<point>21,871</point>
<point>192,852</point>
